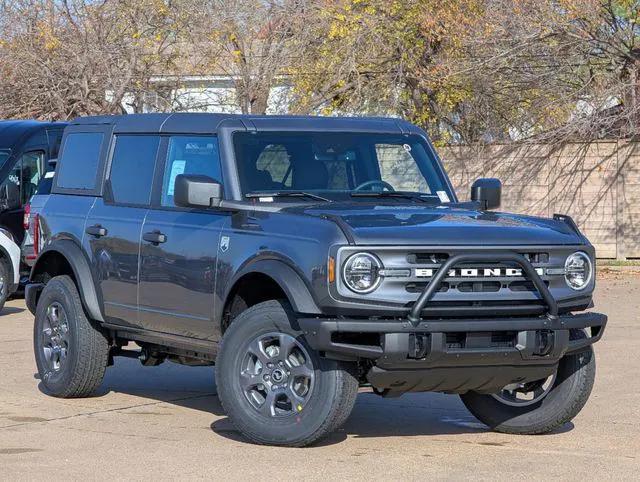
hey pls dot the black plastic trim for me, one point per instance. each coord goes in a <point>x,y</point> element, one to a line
<point>287,278</point>
<point>81,271</point>
<point>31,294</point>
<point>318,332</point>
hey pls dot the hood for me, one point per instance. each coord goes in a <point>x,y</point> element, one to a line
<point>398,224</point>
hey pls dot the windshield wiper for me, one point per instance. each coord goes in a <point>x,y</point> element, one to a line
<point>392,194</point>
<point>253,195</point>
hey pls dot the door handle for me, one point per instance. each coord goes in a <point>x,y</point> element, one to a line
<point>155,237</point>
<point>96,230</point>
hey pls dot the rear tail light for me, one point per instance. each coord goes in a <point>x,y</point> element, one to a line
<point>36,237</point>
<point>27,215</point>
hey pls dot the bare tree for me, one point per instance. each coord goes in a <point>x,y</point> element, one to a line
<point>61,59</point>
<point>248,41</point>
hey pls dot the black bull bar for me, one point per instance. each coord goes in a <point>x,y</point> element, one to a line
<point>434,284</point>
<point>324,334</point>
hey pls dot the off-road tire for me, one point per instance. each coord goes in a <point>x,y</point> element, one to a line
<point>88,349</point>
<point>5,275</point>
<point>567,396</point>
<point>329,404</point>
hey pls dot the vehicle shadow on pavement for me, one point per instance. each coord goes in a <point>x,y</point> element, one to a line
<point>193,388</point>
<point>11,310</point>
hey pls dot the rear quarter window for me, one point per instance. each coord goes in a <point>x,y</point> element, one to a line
<point>79,161</point>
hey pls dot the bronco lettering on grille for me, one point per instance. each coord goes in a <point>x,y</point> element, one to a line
<point>476,272</point>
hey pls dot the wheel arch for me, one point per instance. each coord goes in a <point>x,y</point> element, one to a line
<point>4,255</point>
<point>11,252</point>
<point>276,280</point>
<point>66,257</point>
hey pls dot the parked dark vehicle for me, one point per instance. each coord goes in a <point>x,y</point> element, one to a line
<point>25,148</point>
<point>32,239</point>
<point>306,257</point>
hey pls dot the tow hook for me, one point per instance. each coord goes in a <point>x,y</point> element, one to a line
<point>419,345</point>
<point>544,342</point>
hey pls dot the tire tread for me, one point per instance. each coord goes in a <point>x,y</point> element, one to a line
<point>92,346</point>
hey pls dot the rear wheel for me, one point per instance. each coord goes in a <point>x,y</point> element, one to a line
<point>273,386</point>
<point>541,406</point>
<point>71,354</point>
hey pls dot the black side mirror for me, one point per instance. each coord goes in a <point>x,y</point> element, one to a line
<point>197,191</point>
<point>487,192</point>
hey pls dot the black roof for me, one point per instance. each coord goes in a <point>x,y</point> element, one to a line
<point>14,131</point>
<point>204,123</point>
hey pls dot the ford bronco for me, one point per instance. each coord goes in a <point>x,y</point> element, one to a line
<point>306,258</point>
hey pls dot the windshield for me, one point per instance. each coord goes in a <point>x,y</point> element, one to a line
<point>338,165</point>
<point>4,155</point>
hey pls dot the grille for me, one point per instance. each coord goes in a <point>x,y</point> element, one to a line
<point>432,261</point>
<point>427,258</point>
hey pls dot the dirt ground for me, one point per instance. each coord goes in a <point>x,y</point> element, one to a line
<point>166,423</point>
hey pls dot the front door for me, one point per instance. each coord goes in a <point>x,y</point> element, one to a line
<point>179,248</point>
<point>114,225</point>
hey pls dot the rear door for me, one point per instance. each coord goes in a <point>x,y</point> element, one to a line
<point>179,246</point>
<point>114,225</point>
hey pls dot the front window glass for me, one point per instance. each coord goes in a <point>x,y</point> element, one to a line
<point>338,165</point>
<point>20,184</point>
<point>189,155</point>
<point>32,164</point>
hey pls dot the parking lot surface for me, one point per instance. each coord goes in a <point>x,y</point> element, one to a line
<point>166,423</point>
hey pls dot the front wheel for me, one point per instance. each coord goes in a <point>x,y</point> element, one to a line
<point>275,389</point>
<point>541,406</point>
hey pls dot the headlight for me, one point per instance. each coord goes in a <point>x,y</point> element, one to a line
<point>578,270</point>
<point>361,272</point>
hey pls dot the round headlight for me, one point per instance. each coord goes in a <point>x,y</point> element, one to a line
<point>578,270</point>
<point>361,272</point>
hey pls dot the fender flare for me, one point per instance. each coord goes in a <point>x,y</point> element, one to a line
<point>286,277</point>
<point>70,250</point>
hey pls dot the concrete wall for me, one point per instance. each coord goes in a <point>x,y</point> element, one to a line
<point>597,184</point>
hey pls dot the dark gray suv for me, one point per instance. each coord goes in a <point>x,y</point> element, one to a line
<point>306,257</point>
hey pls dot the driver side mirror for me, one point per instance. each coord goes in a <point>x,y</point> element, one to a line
<point>197,191</point>
<point>487,192</point>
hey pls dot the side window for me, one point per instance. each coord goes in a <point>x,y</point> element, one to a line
<point>274,161</point>
<point>398,168</point>
<point>20,184</point>
<point>189,155</point>
<point>80,159</point>
<point>132,165</point>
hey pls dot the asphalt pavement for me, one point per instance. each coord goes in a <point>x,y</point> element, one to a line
<point>166,423</point>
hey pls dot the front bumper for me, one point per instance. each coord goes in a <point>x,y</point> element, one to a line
<point>455,355</point>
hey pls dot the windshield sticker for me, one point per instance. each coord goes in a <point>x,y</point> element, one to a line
<point>407,147</point>
<point>177,168</point>
<point>444,197</point>
<point>49,174</point>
